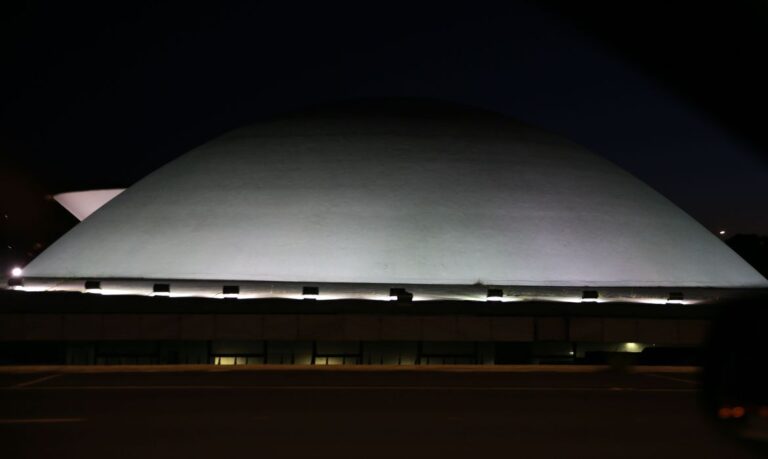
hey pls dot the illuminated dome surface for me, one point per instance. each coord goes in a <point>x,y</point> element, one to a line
<point>386,194</point>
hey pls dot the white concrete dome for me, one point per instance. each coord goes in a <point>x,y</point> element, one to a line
<point>395,194</point>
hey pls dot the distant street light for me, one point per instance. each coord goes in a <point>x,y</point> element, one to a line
<point>722,232</point>
<point>17,272</point>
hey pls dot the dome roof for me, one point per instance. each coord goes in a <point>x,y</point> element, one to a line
<point>395,193</point>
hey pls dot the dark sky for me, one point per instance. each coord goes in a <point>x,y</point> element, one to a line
<point>99,95</point>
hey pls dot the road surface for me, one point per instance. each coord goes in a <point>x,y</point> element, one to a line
<point>276,412</point>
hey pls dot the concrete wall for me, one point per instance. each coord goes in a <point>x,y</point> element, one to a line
<point>347,327</point>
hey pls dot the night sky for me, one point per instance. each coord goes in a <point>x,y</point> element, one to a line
<point>97,96</point>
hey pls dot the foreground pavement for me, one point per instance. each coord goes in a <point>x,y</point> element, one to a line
<point>116,412</point>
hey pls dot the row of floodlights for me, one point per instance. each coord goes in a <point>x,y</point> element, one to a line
<point>587,296</point>
<point>591,296</point>
<point>233,291</point>
<point>395,294</point>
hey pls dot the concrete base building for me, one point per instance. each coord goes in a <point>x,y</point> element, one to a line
<point>393,232</point>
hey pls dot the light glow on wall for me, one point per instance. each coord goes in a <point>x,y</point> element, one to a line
<point>494,294</point>
<point>116,291</point>
<point>589,296</point>
<point>252,290</point>
<point>93,287</point>
<point>231,291</point>
<point>310,293</point>
<point>29,289</point>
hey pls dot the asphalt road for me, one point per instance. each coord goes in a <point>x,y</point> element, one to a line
<point>275,413</point>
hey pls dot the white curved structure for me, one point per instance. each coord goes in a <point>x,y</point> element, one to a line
<point>82,204</point>
<point>395,196</point>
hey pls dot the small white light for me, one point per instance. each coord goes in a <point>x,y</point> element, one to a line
<point>722,232</point>
<point>400,294</point>
<point>589,296</point>
<point>92,286</point>
<point>632,347</point>
<point>161,290</point>
<point>494,294</point>
<point>310,293</point>
<point>231,291</point>
<point>17,272</point>
<point>675,298</point>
